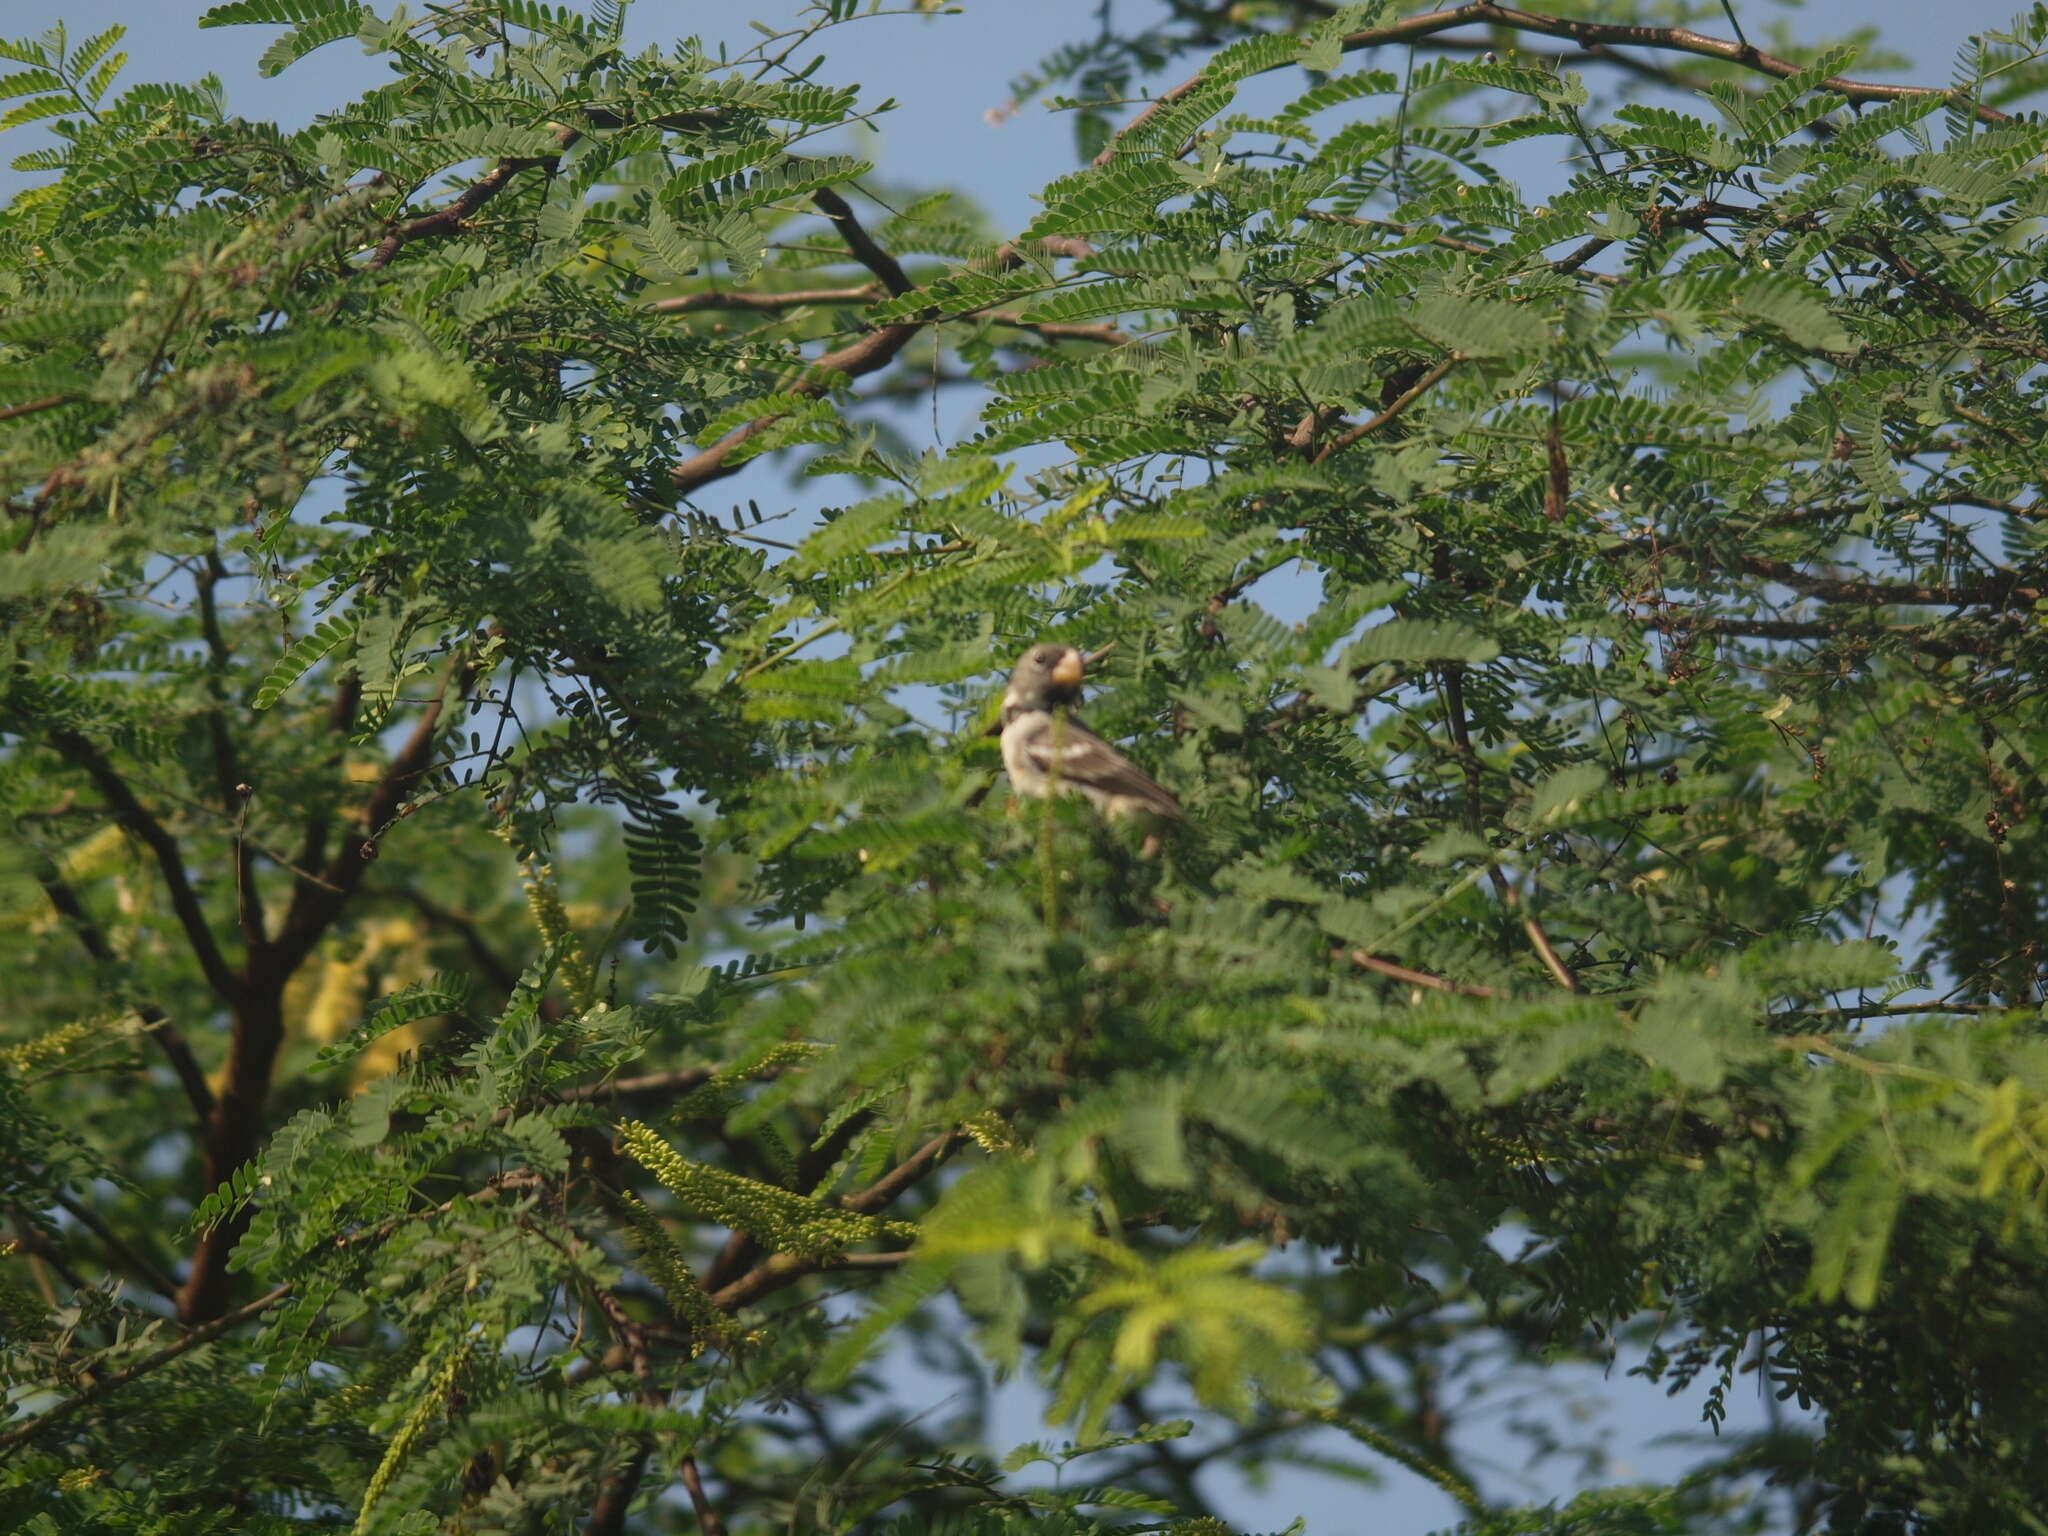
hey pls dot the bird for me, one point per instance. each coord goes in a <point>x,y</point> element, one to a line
<point>1049,752</point>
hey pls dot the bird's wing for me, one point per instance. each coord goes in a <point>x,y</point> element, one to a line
<point>1074,756</point>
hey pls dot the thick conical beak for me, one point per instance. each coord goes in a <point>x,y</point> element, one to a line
<point>1067,671</point>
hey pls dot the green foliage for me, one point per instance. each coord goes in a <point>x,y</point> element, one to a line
<point>530,998</point>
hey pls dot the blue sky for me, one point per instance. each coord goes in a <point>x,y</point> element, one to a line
<point>950,72</point>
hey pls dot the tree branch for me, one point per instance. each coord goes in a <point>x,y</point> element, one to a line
<point>682,1080</point>
<point>1538,939</point>
<point>1401,402</point>
<point>1414,978</point>
<point>1587,34</point>
<point>502,975</point>
<point>861,243</point>
<point>615,1498</point>
<point>867,293</point>
<point>708,1522</point>
<point>137,1263</point>
<point>204,1334</point>
<point>236,1127</point>
<point>448,220</point>
<point>1054,330</point>
<point>315,904</point>
<point>766,303</point>
<point>156,1023</point>
<point>883,1191</point>
<point>1569,266</point>
<point>1836,589</point>
<point>227,772</point>
<point>135,816</point>
<point>1910,636</point>
<point>781,1269</point>
<point>865,355</point>
<point>31,407</point>
<point>341,716</point>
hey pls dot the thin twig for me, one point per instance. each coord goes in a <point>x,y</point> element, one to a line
<point>1414,978</point>
<point>159,1027</point>
<point>30,407</point>
<point>1538,939</point>
<point>1400,403</point>
<point>1907,635</point>
<point>137,1262</point>
<point>1587,34</point>
<point>204,1334</point>
<point>765,303</point>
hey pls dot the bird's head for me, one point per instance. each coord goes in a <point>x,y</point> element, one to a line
<point>1045,675</point>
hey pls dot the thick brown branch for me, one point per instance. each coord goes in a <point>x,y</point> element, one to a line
<point>615,1495</point>
<point>315,904</point>
<point>227,772</point>
<point>860,242</point>
<point>448,220</point>
<point>236,1129</point>
<point>136,817</point>
<point>708,1521</point>
<point>615,1498</point>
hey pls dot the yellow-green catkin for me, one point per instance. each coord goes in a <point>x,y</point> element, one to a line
<point>415,1425</point>
<point>578,974</point>
<point>669,1270</point>
<point>45,1048</point>
<point>782,1219</point>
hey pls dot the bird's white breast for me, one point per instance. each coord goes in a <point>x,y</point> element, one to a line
<point>1017,759</point>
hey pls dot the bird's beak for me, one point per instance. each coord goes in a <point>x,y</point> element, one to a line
<point>1067,672</point>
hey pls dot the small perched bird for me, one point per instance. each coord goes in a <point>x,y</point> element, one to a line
<point>1046,750</point>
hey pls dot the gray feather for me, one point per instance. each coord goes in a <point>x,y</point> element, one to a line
<point>1044,751</point>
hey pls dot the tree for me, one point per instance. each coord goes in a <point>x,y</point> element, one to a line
<point>527,995</point>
